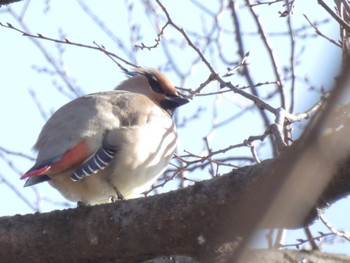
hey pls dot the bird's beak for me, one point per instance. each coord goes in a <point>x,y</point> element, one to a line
<point>174,101</point>
<point>179,100</point>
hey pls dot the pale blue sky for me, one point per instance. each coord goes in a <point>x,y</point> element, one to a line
<point>93,72</point>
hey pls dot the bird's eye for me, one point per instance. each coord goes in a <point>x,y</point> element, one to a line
<point>155,85</point>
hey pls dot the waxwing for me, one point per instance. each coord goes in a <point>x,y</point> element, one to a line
<point>109,144</point>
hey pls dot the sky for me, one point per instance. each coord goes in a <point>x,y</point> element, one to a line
<point>25,74</point>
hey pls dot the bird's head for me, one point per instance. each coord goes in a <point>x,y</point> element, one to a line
<point>155,85</point>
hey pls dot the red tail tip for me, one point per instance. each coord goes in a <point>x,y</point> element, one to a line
<point>36,172</point>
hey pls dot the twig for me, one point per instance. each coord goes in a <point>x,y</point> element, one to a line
<point>189,42</point>
<point>9,152</point>
<point>311,239</point>
<point>17,192</point>
<point>157,40</point>
<point>265,3</point>
<point>68,42</point>
<point>241,51</point>
<point>99,22</point>
<point>318,32</point>
<point>292,58</point>
<point>334,15</point>
<point>303,241</point>
<point>342,234</point>
<point>253,151</point>
<point>270,51</point>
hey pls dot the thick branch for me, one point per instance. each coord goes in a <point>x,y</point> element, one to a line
<point>192,221</point>
<point>6,2</point>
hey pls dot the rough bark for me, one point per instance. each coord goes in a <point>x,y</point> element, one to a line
<point>195,221</point>
<point>270,256</point>
<point>211,220</point>
<point>292,256</point>
<point>6,2</point>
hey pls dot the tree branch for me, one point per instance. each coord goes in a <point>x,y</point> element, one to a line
<point>6,2</point>
<point>192,221</point>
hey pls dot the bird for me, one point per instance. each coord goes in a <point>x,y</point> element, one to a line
<point>109,145</point>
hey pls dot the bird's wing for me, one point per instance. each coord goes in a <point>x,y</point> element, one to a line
<point>100,160</point>
<point>76,136</point>
<point>70,159</point>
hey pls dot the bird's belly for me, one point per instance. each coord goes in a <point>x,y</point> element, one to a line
<point>142,158</point>
<point>90,190</point>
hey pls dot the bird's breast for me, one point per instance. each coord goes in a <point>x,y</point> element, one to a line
<point>143,156</point>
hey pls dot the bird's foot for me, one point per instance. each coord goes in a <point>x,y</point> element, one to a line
<point>81,204</point>
<point>112,199</point>
<point>119,194</point>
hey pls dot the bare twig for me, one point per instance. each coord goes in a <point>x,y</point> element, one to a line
<point>302,241</point>
<point>273,58</point>
<point>20,154</point>
<point>311,239</point>
<point>318,32</point>
<point>342,234</point>
<point>258,3</point>
<point>17,192</point>
<point>334,15</point>
<point>241,51</point>
<point>68,42</point>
